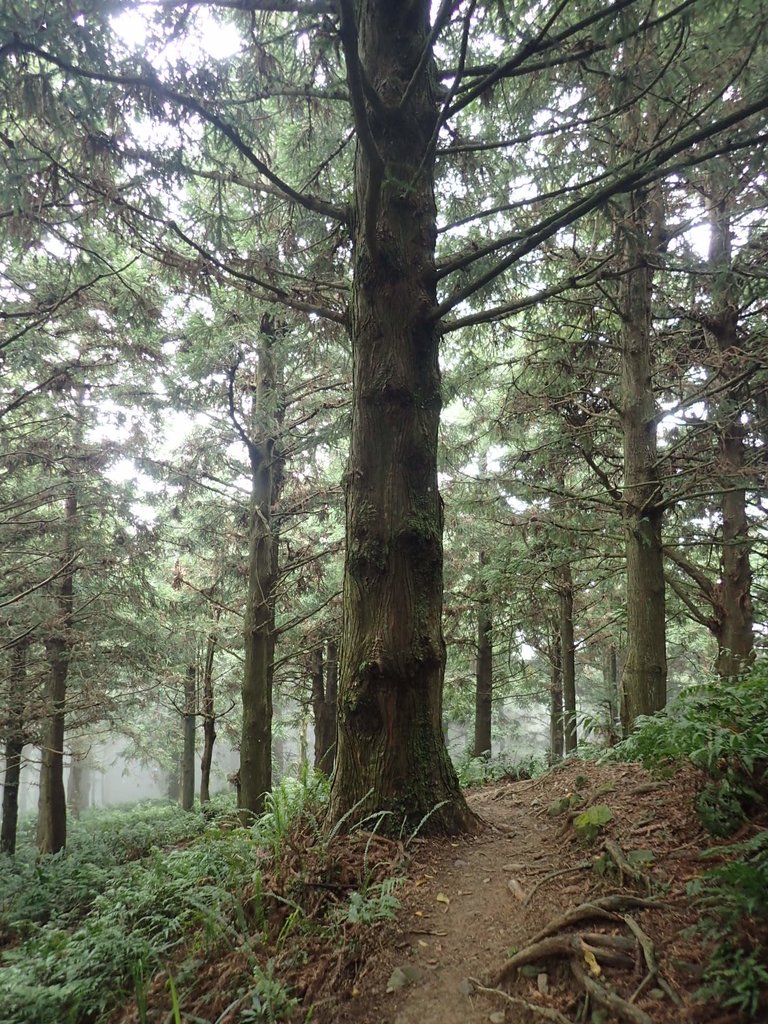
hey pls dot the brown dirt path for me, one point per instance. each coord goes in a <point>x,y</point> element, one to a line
<point>468,906</point>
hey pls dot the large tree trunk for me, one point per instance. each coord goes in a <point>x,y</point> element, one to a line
<point>14,746</point>
<point>568,656</point>
<point>644,680</point>
<point>484,669</point>
<point>391,755</point>
<point>52,805</point>
<point>733,605</point>
<point>188,754</point>
<point>208,712</point>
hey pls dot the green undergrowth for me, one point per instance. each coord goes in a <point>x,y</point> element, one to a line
<point>101,845</point>
<point>78,926</point>
<point>733,902</point>
<point>722,728</point>
<point>142,888</point>
<point>477,771</point>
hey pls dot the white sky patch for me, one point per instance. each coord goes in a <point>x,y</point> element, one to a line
<point>212,38</point>
<point>124,470</point>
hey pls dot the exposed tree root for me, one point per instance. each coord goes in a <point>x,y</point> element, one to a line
<point>565,945</point>
<point>611,941</point>
<point>547,1012</point>
<point>649,954</point>
<point>646,787</point>
<point>625,869</point>
<point>605,907</point>
<point>606,998</point>
<point>582,866</point>
<point>595,951</point>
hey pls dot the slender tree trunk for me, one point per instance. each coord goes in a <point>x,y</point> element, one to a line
<point>318,702</point>
<point>644,680</point>
<point>556,736</point>
<point>332,700</point>
<point>208,711</point>
<point>173,788</point>
<point>733,606</point>
<point>324,710</point>
<point>52,804</point>
<point>14,746</point>
<point>484,668</point>
<point>278,755</point>
<point>188,755</point>
<point>79,782</point>
<point>256,737</point>
<point>568,656</point>
<point>611,680</point>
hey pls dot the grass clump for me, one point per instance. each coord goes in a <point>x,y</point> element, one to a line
<point>156,906</point>
<point>102,843</point>
<point>80,954</point>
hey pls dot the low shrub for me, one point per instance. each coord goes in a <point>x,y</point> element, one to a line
<point>722,728</point>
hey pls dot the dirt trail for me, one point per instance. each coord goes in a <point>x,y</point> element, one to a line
<point>468,906</point>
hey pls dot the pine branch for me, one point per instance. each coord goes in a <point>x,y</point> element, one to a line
<point>264,6</point>
<point>700,578</point>
<point>696,614</point>
<point>447,8</point>
<point>571,283</point>
<point>516,66</point>
<point>152,84</point>
<point>635,178</point>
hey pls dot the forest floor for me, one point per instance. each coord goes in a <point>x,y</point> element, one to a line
<point>471,905</point>
<point>529,919</point>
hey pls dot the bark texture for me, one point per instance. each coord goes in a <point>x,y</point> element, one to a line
<point>256,735</point>
<point>391,756</point>
<point>556,738</point>
<point>644,679</point>
<point>188,754</point>
<point>568,658</point>
<point>324,694</point>
<point>734,617</point>
<point>208,712</point>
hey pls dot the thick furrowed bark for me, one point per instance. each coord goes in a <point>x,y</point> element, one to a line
<point>391,755</point>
